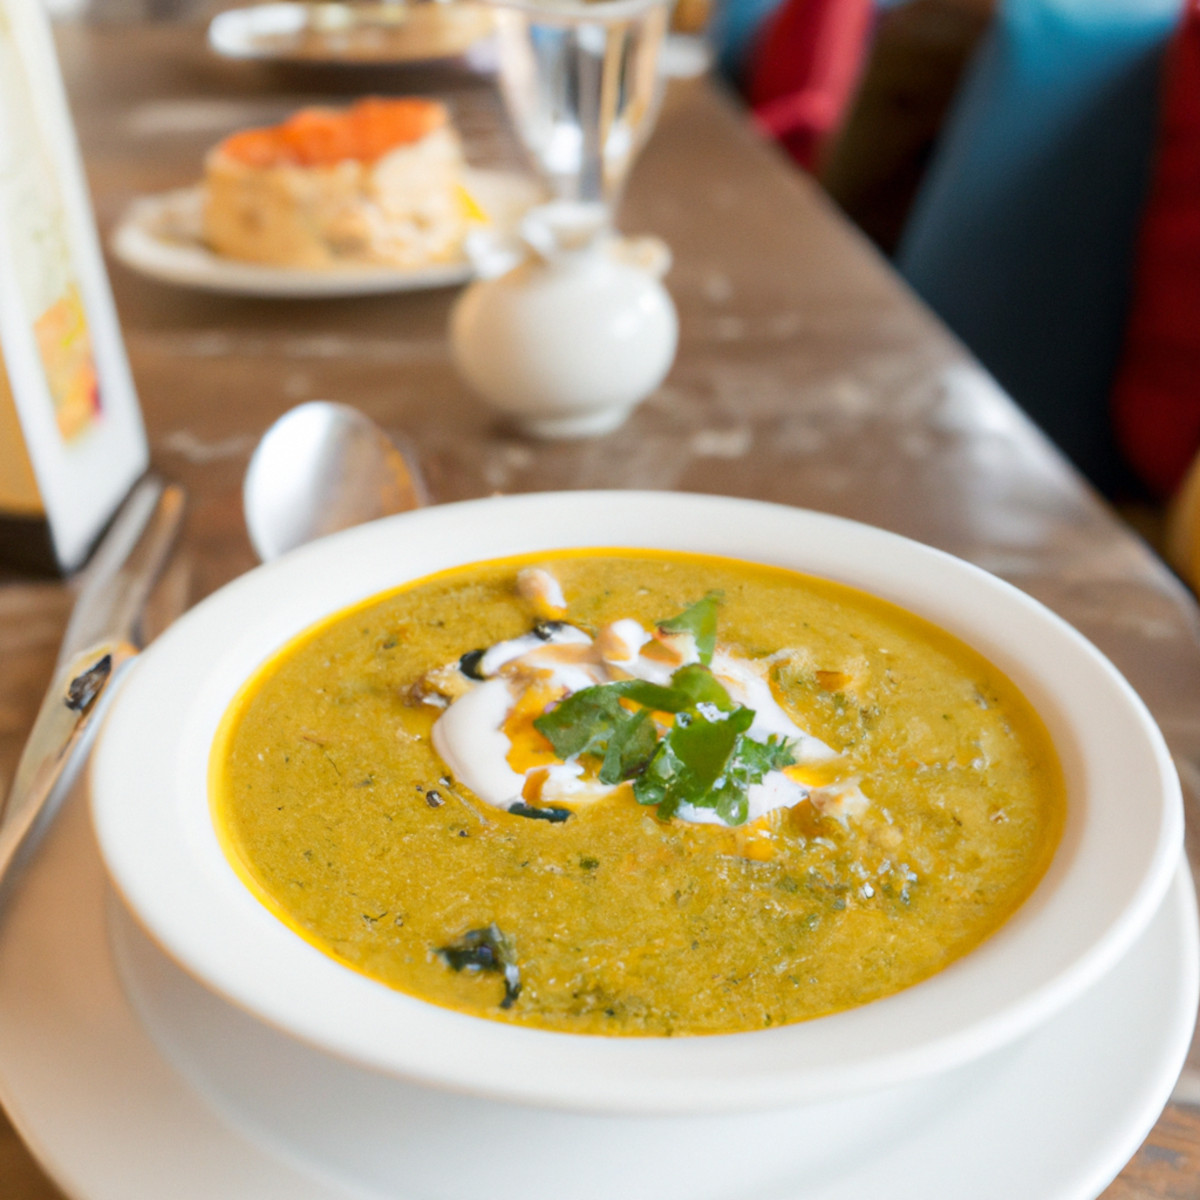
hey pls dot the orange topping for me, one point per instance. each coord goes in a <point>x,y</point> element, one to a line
<point>658,650</point>
<point>535,781</point>
<point>323,136</point>
<point>530,748</point>
<point>254,147</point>
<point>815,774</point>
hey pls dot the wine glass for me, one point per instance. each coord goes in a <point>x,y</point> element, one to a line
<point>582,85</point>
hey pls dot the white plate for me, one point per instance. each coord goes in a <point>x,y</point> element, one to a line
<point>357,33</point>
<point>161,236</point>
<point>151,805</point>
<point>110,1119</point>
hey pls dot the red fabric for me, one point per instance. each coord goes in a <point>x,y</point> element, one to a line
<point>1156,398</point>
<point>804,68</point>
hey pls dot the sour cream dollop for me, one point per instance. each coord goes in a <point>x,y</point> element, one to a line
<point>474,734</point>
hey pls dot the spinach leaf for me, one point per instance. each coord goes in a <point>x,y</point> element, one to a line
<point>555,816</point>
<point>486,949</point>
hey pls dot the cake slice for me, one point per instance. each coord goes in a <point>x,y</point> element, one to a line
<point>377,183</point>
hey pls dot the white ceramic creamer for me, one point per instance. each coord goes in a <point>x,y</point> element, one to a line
<point>577,333</point>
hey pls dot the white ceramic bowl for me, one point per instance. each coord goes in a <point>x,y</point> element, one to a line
<point>1120,847</point>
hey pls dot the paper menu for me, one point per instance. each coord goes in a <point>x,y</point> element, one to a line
<point>71,436</point>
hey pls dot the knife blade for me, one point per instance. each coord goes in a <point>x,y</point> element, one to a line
<point>102,637</point>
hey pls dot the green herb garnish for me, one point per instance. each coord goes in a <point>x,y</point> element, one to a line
<point>584,722</point>
<point>706,759</point>
<point>710,764</point>
<point>701,622</point>
<point>554,815</point>
<point>630,747</point>
<point>486,949</point>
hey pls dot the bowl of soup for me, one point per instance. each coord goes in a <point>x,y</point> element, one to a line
<point>532,819</point>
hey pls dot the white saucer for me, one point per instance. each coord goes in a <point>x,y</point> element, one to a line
<point>110,1119</point>
<point>161,236</point>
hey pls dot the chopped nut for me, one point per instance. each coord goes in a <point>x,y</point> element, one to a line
<point>542,591</point>
<point>446,683</point>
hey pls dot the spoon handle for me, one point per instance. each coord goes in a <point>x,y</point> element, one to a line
<point>102,637</point>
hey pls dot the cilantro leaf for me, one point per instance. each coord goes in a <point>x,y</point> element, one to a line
<point>755,759</point>
<point>594,721</point>
<point>701,686</point>
<point>631,745</point>
<point>690,759</point>
<point>700,620</point>
<point>748,764</point>
<point>653,696</point>
<point>705,760</point>
<point>690,685</point>
<point>710,764</point>
<point>583,722</point>
<point>661,784</point>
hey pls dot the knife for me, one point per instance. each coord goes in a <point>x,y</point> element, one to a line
<point>102,638</point>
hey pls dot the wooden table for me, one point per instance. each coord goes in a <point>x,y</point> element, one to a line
<point>806,374</point>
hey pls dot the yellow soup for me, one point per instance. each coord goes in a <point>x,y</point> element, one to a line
<point>625,792</point>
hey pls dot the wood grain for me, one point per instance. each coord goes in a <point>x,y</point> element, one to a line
<point>807,374</point>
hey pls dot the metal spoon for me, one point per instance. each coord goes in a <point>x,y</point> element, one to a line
<point>320,468</point>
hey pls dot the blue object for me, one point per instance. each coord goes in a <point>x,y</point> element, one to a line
<point>734,26</point>
<point>1023,233</point>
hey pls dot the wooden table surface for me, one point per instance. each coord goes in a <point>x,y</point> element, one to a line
<point>806,374</point>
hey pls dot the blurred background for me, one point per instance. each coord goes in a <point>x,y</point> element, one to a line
<point>1028,165</point>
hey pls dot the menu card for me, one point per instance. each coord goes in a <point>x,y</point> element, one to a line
<point>71,436</point>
